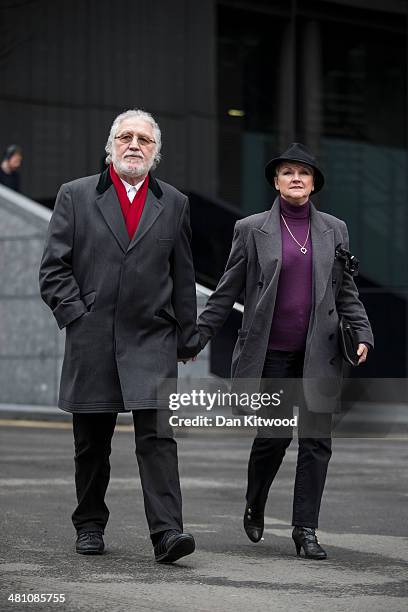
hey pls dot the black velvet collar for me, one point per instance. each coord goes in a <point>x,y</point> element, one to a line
<point>105,182</point>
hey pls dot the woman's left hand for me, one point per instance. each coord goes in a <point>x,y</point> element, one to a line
<point>362,353</point>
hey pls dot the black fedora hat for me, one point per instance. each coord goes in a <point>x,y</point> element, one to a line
<point>296,152</point>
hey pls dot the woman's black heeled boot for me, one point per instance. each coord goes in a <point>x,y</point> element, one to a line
<point>305,537</point>
<point>253,524</point>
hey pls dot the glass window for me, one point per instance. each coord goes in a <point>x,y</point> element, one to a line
<point>334,77</point>
<point>249,46</point>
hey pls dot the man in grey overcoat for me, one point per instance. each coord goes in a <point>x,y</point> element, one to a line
<point>284,263</point>
<point>117,273</point>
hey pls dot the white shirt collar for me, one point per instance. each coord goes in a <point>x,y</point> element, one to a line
<point>128,186</point>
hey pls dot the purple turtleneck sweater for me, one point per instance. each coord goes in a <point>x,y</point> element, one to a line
<point>294,297</point>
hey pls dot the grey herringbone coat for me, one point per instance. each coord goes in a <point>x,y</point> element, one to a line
<point>128,306</point>
<point>253,267</point>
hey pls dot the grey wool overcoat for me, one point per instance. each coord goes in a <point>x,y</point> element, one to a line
<point>128,306</point>
<point>253,267</point>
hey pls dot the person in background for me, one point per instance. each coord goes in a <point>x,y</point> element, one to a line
<point>9,169</point>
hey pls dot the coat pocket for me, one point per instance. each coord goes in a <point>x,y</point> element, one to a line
<point>168,316</point>
<point>88,299</point>
<point>165,243</point>
<point>242,334</point>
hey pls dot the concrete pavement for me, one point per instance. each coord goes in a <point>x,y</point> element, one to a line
<point>364,528</point>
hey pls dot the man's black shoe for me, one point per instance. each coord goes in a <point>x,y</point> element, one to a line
<point>90,543</point>
<point>173,545</point>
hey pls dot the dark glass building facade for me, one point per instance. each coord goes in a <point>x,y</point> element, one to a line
<point>334,77</point>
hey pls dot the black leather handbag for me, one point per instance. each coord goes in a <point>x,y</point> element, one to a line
<point>348,340</point>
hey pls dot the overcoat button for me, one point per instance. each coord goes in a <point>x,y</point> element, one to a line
<point>331,311</point>
<point>332,361</point>
<point>331,336</point>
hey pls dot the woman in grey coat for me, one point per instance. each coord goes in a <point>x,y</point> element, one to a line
<point>285,262</point>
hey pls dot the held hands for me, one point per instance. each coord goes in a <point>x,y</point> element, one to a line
<point>187,360</point>
<point>362,353</point>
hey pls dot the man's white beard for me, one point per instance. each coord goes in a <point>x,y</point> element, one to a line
<point>129,169</point>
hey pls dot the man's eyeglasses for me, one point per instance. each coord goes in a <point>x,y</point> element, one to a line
<point>142,141</point>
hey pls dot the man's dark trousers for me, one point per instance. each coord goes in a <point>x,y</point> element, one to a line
<point>156,452</point>
<point>269,447</point>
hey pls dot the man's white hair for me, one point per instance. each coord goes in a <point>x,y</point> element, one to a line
<point>134,113</point>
